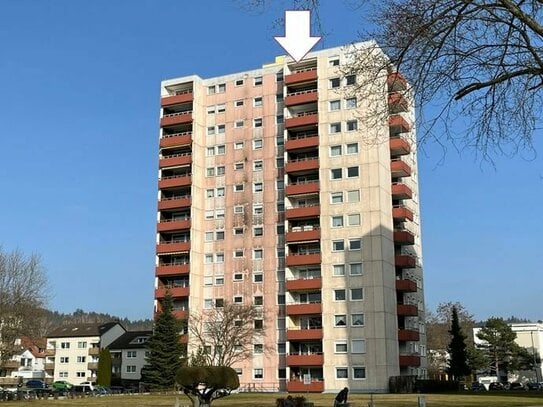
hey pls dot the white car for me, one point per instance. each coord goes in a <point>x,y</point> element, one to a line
<point>90,384</point>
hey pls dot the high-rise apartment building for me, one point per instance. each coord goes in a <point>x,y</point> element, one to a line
<point>273,192</point>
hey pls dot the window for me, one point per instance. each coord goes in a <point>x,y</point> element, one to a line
<point>219,280</point>
<point>65,374</point>
<point>238,209</point>
<point>357,294</point>
<point>221,129</point>
<point>130,369</point>
<point>355,269</point>
<point>350,103</point>
<point>258,348</point>
<point>338,269</point>
<point>131,354</point>
<point>352,148</point>
<point>220,191</point>
<point>239,371</point>
<point>359,373</point>
<point>337,221</point>
<point>238,187</point>
<point>219,303</point>
<point>340,347</point>
<point>350,79</point>
<point>342,373</point>
<point>219,258</point>
<point>279,98</point>
<point>210,132</point>
<point>221,87</point>
<point>279,76</point>
<point>238,253</point>
<point>238,277</point>
<point>210,109</point>
<point>238,103</point>
<point>64,359</point>
<point>336,197</point>
<point>257,101</point>
<point>219,235</point>
<point>258,300</point>
<point>279,119</point>
<point>77,374</point>
<point>352,125</point>
<point>280,140</point>
<point>333,61</point>
<point>211,90</point>
<point>208,280</point>
<point>65,345</point>
<point>257,144</point>
<point>220,170</point>
<point>258,186</point>
<point>281,348</point>
<point>338,245</point>
<point>208,258</point>
<point>280,184</point>
<point>280,162</point>
<point>81,359</point>
<point>210,172</point>
<point>220,149</point>
<point>238,124</point>
<point>239,82</point>
<point>358,346</point>
<point>81,345</point>
<point>257,165</point>
<point>352,172</point>
<point>335,173</point>
<point>257,253</point>
<point>258,210</point>
<point>238,166</point>
<point>258,373</point>
<point>353,196</point>
<point>208,303</point>
<point>334,83</point>
<point>353,219</point>
<point>335,128</point>
<point>238,145</point>
<point>340,320</point>
<point>221,108</point>
<point>258,231</point>
<point>335,105</point>
<point>238,299</point>
<point>281,299</point>
<point>258,80</point>
<point>339,295</point>
<point>258,277</point>
<point>355,244</point>
<point>335,151</point>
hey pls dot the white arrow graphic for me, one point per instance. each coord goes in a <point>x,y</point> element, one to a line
<point>297,41</point>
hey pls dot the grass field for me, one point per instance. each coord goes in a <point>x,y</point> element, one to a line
<point>320,400</point>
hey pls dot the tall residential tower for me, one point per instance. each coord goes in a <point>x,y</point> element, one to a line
<point>273,192</point>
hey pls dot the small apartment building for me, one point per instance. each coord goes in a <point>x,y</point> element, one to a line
<point>530,336</point>
<point>128,355</point>
<point>29,361</point>
<point>73,350</point>
<point>272,192</point>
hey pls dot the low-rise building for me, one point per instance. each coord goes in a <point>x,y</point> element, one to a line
<point>29,360</point>
<point>128,355</point>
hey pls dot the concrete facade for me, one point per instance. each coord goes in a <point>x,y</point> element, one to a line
<point>274,192</point>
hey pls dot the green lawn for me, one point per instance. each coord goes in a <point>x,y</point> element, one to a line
<point>320,400</point>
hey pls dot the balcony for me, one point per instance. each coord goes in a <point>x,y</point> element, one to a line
<point>302,119</point>
<point>399,146</point>
<point>303,212</point>
<point>401,191</point>
<point>181,97</point>
<point>409,360</point>
<point>94,351</point>
<point>180,314</point>
<point>175,292</point>
<point>303,235</point>
<point>397,124</point>
<point>408,335</point>
<point>175,181</point>
<point>305,360</point>
<point>404,237</point>
<point>171,225</point>
<point>397,103</point>
<point>171,270</point>
<point>177,139</point>
<point>49,366</point>
<point>298,386</point>
<point>305,75</point>
<point>407,310</point>
<point>304,309</point>
<point>175,202</point>
<point>302,141</point>
<point>396,81</point>
<point>50,352</point>
<point>92,366</point>
<point>176,118</point>
<point>302,164</point>
<point>304,284</point>
<point>304,334</point>
<point>405,261</point>
<point>175,160</point>
<point>406,286</point>
<point>399,168</point>
<point>11,364</point>
<point>402,213</point>
<point>298,98</point>
<point>172,247</point>
<point>303,259</point>
<point>301,188</point>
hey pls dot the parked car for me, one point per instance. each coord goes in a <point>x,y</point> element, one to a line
<point>516,386</point>
<point>82,389</point>
<point>61,385</point>
<point>534,386</point>
<point>496,386</point>
<point>36,384</point>
<point>476,386</point>
<point>90,384</point>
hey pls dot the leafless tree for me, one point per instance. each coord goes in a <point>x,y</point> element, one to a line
<point>23,295</point>
<point>476,64</point>
<point>224,336</point>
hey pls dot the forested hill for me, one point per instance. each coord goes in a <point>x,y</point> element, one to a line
<point>54,319</point>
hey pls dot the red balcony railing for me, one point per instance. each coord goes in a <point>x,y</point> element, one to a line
<point>304,334</point>
<point>399,168</point>
<point>165,270</point>
<point>396,81</point>
<point>302,119</point>
<point>407,286</point>
<point>402,213</point>
<point>303,259</point>
<point>175,202</point>
<point>405,261</point>
<point>404,237</point>
<point>408,335</point>
<point>397,124</point>
<point>407,310</point>
<point>175,181</point>
<point>305,360</point>
<point>306,75</point>
<point>298,98</point>
<point>170,225</point>
<point>176,118</point>
<point>304,284</point>
<point>304,309</point>
<point>399,146</point>
<point>172,247</point>
<point>302,141</point>
<point>181,97</point>
<point>401,191</point>
<point>175,292</point>
<point>303,212</point>
<point>305,164</point>
<point>177,139</point>
<point>397,102</point>
<point>303,235</point>
<point>175,160</point>
<point>409,360</point>
<point>300,188</point>
<point>299,386</point>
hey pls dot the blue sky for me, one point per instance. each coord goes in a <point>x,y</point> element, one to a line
<point>79,108</point>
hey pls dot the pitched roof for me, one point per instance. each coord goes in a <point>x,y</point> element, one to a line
<point>131,340</point>
<point>80,330</point>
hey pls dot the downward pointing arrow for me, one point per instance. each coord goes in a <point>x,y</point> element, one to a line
<point>297,41</point>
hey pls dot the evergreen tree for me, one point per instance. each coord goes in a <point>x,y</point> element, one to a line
<point>458,354</point>
<point>500,346</point>
<point>165,349</point>
<point>104,368</point>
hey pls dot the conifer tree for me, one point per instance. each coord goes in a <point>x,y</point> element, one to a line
<point>104,368</point>
<point>458,354</point>
<point>165,349</point>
